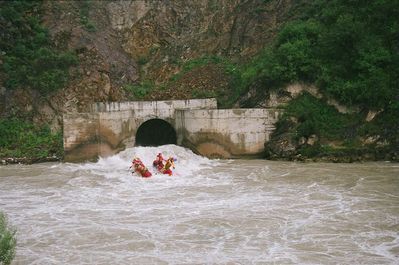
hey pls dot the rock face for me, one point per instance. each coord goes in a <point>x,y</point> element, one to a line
<point>124,42</point>
<point>160,33</point>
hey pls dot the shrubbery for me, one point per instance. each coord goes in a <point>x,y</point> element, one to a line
<point>7,241</point>
<point>139,91</point>
<point>29,61</point>
<point>23,139</point>
<point>28,58</point>
<point>232,70</point>
<point>84,15</point>
<point>316,117</point>
<point>349,49</point>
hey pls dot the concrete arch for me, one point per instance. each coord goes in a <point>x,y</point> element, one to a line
<point>196,124</point>
<point>155,132</point>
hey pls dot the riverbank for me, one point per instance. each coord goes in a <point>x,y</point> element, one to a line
<point>322,158</point>
<point>339,156</point>
<point>345,159</point>
<point>28,160</point>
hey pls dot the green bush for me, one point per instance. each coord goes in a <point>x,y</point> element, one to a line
<point>8,241</point>
<point>138,91</point>
<point>232,70</point>
<point>29,60</point>
<point>316,117</point>
<point>385,125</point>
<point>347,48</point>
<point>203,94</point>
<point>84,15</point>
<point>22,139</point>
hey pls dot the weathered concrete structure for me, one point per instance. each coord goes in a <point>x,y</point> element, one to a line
<point>196,124</point>
<point>225,133</point>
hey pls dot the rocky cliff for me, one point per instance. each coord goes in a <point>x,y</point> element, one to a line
<point>335,84</point>
<point>126,42</point>
<point>159,34</point>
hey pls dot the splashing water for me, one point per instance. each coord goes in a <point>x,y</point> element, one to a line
<point>208,212</point>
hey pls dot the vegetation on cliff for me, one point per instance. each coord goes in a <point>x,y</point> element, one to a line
<point>348,49</point>
<point>29,61</point>
<point>204,77</point>
<point>28,58</point>
<point>22,139</point>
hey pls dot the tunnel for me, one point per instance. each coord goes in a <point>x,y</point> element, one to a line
<point>155,132</point>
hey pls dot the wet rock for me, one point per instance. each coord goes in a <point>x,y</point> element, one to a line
<point>281,146</point>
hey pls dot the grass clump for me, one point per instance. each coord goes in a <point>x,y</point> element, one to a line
<point>138,91</point>
<point>8,241</point>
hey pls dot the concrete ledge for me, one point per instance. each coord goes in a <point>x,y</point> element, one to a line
<point>163,105</point>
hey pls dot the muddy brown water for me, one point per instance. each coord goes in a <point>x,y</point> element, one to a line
<point>209,212</point>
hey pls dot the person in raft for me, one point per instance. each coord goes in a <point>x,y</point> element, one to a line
<point>140,168</point>
<point>158,162</point>
<point>169,164</point>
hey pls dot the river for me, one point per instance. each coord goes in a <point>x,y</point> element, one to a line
<point>208,212</point>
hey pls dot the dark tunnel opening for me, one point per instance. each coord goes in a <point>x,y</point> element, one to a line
<point>155,132</point>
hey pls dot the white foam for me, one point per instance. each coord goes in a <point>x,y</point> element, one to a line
<point>187,162</point>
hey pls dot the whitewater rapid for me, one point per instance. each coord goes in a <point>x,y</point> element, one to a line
<point>208,212</point>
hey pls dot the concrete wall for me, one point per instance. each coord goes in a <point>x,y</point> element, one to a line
<point>212,132</point>
<point>89,135</point>
<point>80,136</point>
<point>228,133</point>
<point>112,127</point>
